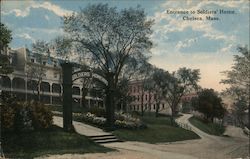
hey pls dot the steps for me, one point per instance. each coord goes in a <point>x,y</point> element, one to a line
<point>103,139</point>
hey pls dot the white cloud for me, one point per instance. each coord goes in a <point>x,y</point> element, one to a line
<point>46,17</point>
<point>56,31</point>
<point>23,11</point>
<point>25,36</point>
<point>174,22</point>
<point>185,43</point>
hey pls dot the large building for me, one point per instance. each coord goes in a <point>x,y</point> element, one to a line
<point>142,99</point>
<point>32,68</point>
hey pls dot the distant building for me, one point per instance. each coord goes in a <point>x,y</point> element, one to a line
<point>141,97</point>
<point>19,82</point>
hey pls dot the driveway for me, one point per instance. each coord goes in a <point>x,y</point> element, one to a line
<point>208,147</point>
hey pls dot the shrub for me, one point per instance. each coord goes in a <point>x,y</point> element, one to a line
<point>122,120</point>
<point>24,116</point>
<point>42,117</point>
<point>7,117</point>
<point>100,112</point>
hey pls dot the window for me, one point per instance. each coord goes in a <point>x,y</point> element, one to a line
<point>55,75</point>
<point>55,63</point>
<point>154,106</point>
<point>162,105</point>
<point>146,96</point>
<point>32,60</point>
<point>138,97</point>
<point>44,62</point>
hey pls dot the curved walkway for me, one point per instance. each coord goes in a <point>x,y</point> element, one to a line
<point>208,147</point>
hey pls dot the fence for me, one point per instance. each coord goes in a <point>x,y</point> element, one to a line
<point>184,126</point>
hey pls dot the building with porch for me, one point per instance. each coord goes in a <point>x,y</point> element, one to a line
<point>47,71</point>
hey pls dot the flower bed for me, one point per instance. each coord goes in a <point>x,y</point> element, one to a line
<point>122,120</point>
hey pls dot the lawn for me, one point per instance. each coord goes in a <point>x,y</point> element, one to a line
<point>51,141</point>
<point>159,130</point>
<point>210,128</point>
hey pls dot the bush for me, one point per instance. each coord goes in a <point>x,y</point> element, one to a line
<point>122,120</point>
<point>7,117</point>
<point>24,116</point>
<point>100,112</point>
<point>42,117</point>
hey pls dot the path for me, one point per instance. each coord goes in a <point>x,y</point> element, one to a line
<point>205,148</point>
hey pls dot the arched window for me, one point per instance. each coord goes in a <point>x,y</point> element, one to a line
<point>18,83</point>
<point>45,87</point>
<point>56,88</point>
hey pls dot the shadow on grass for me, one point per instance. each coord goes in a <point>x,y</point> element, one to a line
<point>51,141</point>
<point>159,130</point>
<point>208,127</point>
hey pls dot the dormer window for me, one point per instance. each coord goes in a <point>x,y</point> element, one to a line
<point>55,64</point>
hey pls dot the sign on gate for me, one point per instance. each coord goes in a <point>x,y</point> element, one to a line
<point>88,74</point>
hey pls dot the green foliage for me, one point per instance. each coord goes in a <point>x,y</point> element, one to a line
<point>209,104</point>
<point>172,86</point>
<point>99,112</point>
<point>158,130</point>
<point>238,78</point>
<point>5,36</point>
<point>208,127</point>
<point>110,37</point>
<point>122,121</point>
<point>5,66</point>
<point>49,141</point>
<point>24,116</point>
<point>42,117</point>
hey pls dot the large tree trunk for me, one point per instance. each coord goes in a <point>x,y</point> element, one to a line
<point>173,113</point>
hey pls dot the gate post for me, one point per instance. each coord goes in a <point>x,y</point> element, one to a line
<point>67,96</point>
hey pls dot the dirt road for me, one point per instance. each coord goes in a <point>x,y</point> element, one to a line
<point>208,147</point>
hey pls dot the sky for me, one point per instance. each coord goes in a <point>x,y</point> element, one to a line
<point>180,40</point>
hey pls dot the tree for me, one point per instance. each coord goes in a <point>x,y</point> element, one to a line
<point>146,70</point>
<point>178,84</point>
<point>159,85</point>
<point>36,72</point>
<point>209,104</point>
<point>238,79</point>
<point>5,39</point>
<point>110,37</point>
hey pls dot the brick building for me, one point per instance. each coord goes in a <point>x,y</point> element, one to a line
<point>147,99</point>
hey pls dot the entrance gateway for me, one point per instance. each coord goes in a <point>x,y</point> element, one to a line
<point>68,79</point>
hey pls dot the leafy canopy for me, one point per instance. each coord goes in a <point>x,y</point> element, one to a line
<point>110,36</point>
<point>5,36</point>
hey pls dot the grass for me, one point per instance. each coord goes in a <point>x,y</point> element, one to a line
<point>159,130</point>
<point>52,141</point>
<point>210,128</point>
